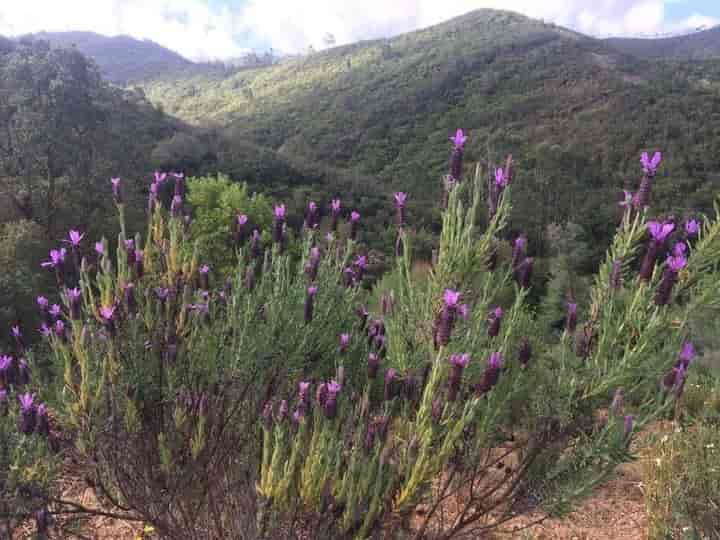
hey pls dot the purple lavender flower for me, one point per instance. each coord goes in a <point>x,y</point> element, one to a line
<point>160,177</point>
<point>687,354</point>
<point>344,343</point>
<point>494,320</point>
<point>42,420</point>
<point>240,229</point>
<point>491,375</point>
<point>59,330</point>
<point>649,165</point>
<point>518,251</point>
<point>55,311</point>
<point>57,259</point>
<point>107,315</point>
<point>303,394</point>
<point>571,318</point>
<point>658,234</point>
<point>74,238</point>
<point>335,212</point>
<point>312,217</point>
<point>176,206</point>
<point>456,158</point>
<point>354,224</point>
<point>391,387</point>
<point>267,414</point>
<point>400,199</point>
<point>17,336</point>
<point>373,364</point>
<point>162,293</point>
<point>152,197</point>
<point>204,272</point>
<point>680,378</point>
<point>42,303</point>
<point>330,406</point>
<point>360,265</point>
<point>116,189</point>
<point>501,179</point>
<point>660,231</point>
<point>310,303</point>
<point>525,352</point>
<point>130,251</point>
<point>679,249</point>
<point>279,216</point>
<point>313,264</point>
<point>348,276</point>
<point>255,244</point>
<point>7,370</point>
<point>74,298</point>
<point>692,228</point>
<point>100,248</point>
<point>27,413</point>
<point>23,374</point>
<point>139,263</point>
<point>448,315</point>
<point>458,362</point>
<point>673,265</point>
<point>523,273</point>
<point>45,330</point>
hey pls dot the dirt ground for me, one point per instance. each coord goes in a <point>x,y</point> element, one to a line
<point>615,512</point>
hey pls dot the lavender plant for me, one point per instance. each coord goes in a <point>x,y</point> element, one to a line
<point>272,403</point>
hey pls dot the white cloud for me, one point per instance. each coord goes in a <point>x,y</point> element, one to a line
<point>189,27</point>
<point>198,31</point>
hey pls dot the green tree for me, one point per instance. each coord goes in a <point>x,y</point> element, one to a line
<point>216,202</point>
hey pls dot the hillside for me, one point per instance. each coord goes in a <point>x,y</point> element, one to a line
<point>703,45</point>
<point>574,111</point>
<point>123,59</point>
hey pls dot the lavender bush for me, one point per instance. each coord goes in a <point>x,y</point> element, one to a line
<point>277,402</point>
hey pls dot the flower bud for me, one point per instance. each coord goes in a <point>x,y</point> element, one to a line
<point>390,390</point>
<point>354,224</point>
<point>494,322</point>
<point>310,304</point>
<point>525,352</point>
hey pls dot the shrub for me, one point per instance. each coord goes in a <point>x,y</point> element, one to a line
<point>216,205</point>
<point>273,404</point>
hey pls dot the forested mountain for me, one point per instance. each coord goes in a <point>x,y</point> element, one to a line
<point>701,45</point>
<point>574,111</point>
<point>126,60</point>
<point>364,120</point>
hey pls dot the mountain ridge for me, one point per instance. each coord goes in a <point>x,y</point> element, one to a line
<point>142,60</point>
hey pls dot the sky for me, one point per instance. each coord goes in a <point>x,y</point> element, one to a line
<point>221,29</point>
